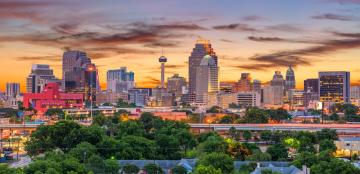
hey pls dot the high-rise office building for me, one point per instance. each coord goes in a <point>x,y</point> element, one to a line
<point>334,86</point>
<point>40,75</point>
<point>355,93</point>
<point>206,79</point>
<point>176,85</point>
<point>290,79</point>
<point>244,84</point>
<point>273,95</point>
<point>277,80</point>
<point>140,96</point>
<point>311,85</point>
<point>12,89</point>
<point>119,80</point>
<point>80,75</point>
<point>202,48</point>
<point>256,86</point>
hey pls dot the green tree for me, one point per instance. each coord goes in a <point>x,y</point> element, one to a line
<point>327,145</point>
<point>200,169</point>
<point>83,151</point>
<point>279,114</point>
<point>41,166</point>
<point>214,109</point>
<point>55,112</point>
<point>111,166</point>
<point>329,134</point>
<point>256,115</point>
<point>269,171</point>
<point>278,152</point>
<point>334,116</point>
<point>213,144</point>
<point>259,156</point>
<point>306,145</point>
<point>178,170</point>
<point>218,161</point>
<point>305,158</point>
<point>233,132</point>
<point>265,135</point>
<point>247,135</point>
<point>334,166</point>
<point>153,169</point>
<point>130,169</point>
<point>5,169</point>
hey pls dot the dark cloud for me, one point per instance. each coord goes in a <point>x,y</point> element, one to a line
<point>302,57</point>
<point>40,58</point>
<point>13,4</point>
<point>162,44</point>
<point>235,27</point>
<point>253,18</point>
<point>265,39</point>
<point>65,28</point>
<point>351,35</point>
<point>226,40</point>
<point>331,16</point>
<point>175,66</point>
<point>284,28</point>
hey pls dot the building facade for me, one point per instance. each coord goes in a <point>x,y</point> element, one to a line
<point>244,84</point>
<point>52,97</point>
<point>140,96</point>
<point>206,79</point>
<point>12,89</point>
<point>290,79</point>
<point>311,85</point>
<point>334,86</point>
<point>40,75</point>
<point>119,80</point>
<point>248,99</point>
<point>202,48</point>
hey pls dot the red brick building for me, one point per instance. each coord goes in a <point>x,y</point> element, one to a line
<point>52,97</point>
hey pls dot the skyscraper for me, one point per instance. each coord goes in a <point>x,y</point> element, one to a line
<point>244,84</point>
<point>79,74</point>
<point>12,89</point>
<point>334,86</point>
<point>162,60</point>
<point>119,80</point>
<point>202,48</point>
<point>206,79</point>
<point>290,79</point>
<point>256,86</point>
<point>40,75</point>
<point>277,80</point>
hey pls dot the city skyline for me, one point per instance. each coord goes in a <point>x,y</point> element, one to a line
<point>319,35</point>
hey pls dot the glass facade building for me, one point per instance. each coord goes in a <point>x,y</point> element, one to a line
<point>334,86</point>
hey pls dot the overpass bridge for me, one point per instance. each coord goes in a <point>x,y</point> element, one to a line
<point>340,128</point>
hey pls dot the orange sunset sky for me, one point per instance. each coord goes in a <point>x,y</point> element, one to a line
<point>255,36</point>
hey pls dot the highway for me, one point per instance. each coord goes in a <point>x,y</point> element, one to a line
<point>340,128</point>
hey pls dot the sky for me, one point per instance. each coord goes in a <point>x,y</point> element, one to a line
<point>254,36</point>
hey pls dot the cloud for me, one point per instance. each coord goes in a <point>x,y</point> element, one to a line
<point>175,66</point>
<point>265,39</point>
<point>40,58</point>
<point>351,35</point>
<point>345,1</point>
<point>235,27</point>
<point>284,28</point>
<point>331,16</point>
<point>162,44</point>
<point>253,18</point>
<point>226,40</point>
<point>301,57</point>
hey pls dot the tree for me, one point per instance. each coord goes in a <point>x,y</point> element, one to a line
<point>111,166</point>
<point>4,168</point>
<point>334,166</point>
<point>147,119</point>
<point>279,114</point>
<point>324,134</point>
<point>130,169</point>
<point>256,115</point>
<point>99,119</point>
<point>259,156</point>
<point>55,112</point>
<point>327,145</point>
<point>153,169</point>
<point>233,132</point>
<point>238,150</point>
<point>227,119</point>
<point>214,109</point>
<point>213,144</point>
<point>247,135</point>
<point>200,169</point>
<point>269,171</point>
<point>334,116</point>
<point>265,135</point>
<point>41,166</point>
<point>218,161</point>
<point>306,145</point>
<point>83,151</point>
<point>278,152</point>
<point>178,170</point>
<point>305,158</point>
